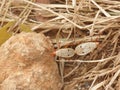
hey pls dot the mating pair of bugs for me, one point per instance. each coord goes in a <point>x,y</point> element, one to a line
<point>81,49</point>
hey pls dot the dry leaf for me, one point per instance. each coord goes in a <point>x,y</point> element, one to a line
<point>4,35</point>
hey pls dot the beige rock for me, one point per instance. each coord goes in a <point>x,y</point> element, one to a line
<point>26,63</point>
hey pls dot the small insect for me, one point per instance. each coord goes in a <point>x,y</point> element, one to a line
<point>85,48</point>
<point>65,52</point>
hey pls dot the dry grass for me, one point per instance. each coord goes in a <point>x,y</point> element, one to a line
<point>68,23</point>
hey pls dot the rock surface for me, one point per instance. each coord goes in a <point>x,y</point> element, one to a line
<point>26,63</point>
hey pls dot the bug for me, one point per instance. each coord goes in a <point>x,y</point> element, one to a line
<point>85,48</point>
<point>80,50</point>
<point>65,52</point>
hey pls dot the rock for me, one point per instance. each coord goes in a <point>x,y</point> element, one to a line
<point>26,63</point>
